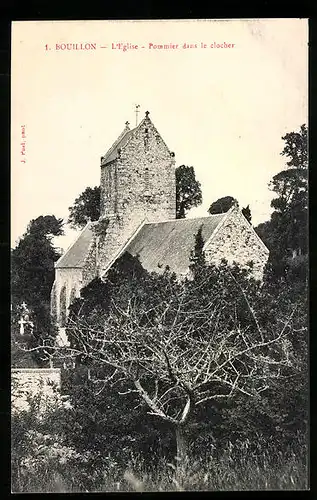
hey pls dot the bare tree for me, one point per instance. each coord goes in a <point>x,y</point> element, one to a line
<point>188,349</point>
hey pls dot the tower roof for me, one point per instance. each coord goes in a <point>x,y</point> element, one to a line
<point>112,153</point>
<point>123,138</point>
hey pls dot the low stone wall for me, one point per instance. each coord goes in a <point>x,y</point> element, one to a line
<point>27,382</point>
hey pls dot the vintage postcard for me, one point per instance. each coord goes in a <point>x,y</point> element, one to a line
<point>159,257</point>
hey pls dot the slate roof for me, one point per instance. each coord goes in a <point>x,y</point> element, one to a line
<point>170,243</point>
<point>157,244</point>
<point>112,153</point>
<point>75,255</point>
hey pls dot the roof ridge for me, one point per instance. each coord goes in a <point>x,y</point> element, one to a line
<point>186,219</point>
<point>126,133</point>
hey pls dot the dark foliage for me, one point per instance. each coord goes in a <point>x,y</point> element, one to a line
<point>286,233</point>
<point>222,205</point>
<point>32,276</point>
<point>188,191</point>
<point>247,213</point>
<point>85,208</point>
<point>111,423</point>
<point>197,256</point>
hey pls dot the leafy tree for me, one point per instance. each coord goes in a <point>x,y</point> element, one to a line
<point>286,232</point>
<point>46,226</point>
<point>247,213</point>
<point>197,255</point>
<point>296,148</point>
<point>32,261</point>
<point>32,276</point>
<point>222,205</point>
<point>291,188</point>
<point>264,231</point>
<point>85,208</point>
<point>188,190</point>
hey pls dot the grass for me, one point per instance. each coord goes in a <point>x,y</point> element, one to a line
<point>233,469</point>
<point>239,466</point>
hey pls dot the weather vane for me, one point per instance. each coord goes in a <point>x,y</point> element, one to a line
<point>136,114</point>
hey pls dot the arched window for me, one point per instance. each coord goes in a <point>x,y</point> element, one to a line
<point>62,307</point>
<point>53,301</point>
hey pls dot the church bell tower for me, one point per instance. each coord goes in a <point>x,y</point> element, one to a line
<point>137,185</point>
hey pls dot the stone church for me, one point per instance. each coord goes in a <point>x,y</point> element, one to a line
<point>138,210</point>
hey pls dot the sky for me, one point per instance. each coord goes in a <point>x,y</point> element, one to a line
<point>221,110</point>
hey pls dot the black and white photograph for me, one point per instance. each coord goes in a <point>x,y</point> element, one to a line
<point>159,256</point>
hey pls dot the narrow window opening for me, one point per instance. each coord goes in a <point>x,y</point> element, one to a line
<point>146,182</point>
<point>146,139</point>
<point>146,177</point>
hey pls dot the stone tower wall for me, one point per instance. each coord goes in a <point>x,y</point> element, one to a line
<point>140,185</point>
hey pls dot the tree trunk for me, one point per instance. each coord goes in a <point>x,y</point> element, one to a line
<point>181,457</point>
<point>181,444</point>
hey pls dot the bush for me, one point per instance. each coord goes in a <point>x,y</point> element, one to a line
<point>47,457</point>
<point>110,423</point>
<point>41,460</point>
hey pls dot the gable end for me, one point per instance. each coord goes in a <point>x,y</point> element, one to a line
<point>236,241</point>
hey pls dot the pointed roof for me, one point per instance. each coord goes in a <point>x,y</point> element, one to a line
<point>112,153</point>
<point>126,134</point>
<point>157,244</point>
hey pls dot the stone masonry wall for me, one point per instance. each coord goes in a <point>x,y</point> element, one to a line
<point>140,185</point>
<point>237,241</point>
<point>29,382</point>
<point>90,266</point>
